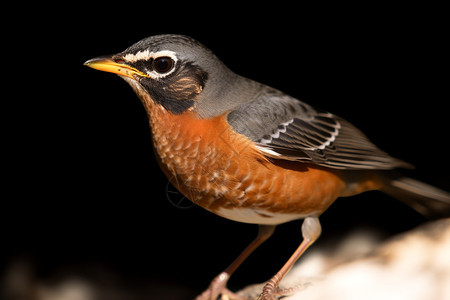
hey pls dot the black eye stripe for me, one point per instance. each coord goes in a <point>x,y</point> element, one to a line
<point>140,65</point>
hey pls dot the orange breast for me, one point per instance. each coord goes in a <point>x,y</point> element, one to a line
<point>225,173</point>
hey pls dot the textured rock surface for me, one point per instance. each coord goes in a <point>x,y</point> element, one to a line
<point>414,266</point>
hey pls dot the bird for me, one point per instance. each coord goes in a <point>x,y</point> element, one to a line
<point>251,153</point>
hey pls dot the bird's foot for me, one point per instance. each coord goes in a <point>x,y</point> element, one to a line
<point>218,287</point>
<point>273,292</point>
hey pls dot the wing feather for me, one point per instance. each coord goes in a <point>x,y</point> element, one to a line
<point>293,130</point>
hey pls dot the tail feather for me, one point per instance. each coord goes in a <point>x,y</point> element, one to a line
<point>424,198</point>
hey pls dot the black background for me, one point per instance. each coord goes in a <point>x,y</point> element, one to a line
<point>83,191</point>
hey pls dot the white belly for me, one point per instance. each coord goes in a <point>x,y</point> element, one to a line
<point>255,216</point>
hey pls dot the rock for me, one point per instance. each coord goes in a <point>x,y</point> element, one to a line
<point>414,265</point>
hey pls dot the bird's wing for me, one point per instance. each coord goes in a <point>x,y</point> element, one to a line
<point>285,128</point>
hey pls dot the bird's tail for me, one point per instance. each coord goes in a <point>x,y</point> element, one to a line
<point>424,198</point>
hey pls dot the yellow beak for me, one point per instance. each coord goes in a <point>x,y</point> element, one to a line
<point>105,63</point>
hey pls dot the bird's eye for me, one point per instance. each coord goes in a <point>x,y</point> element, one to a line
<point>163,64</point>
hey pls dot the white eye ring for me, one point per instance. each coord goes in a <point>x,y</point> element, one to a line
<point>146,55</point>
<point>163,64</point>
<point>172,60</point>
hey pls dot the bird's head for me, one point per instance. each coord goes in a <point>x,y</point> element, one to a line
<point>174,71</point>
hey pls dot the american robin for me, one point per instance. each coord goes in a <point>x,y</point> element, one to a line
<point>250,153</point>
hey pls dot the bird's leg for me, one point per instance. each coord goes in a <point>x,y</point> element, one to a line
<point>311,230</point>
<point>219,283</point>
